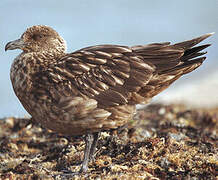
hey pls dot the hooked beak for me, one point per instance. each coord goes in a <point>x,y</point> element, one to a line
<point>17,44</point>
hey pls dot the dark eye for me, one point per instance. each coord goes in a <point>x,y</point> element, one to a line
<point>37,37</point>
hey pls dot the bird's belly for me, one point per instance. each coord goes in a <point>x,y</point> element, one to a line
<point>53,117</point>
<point>58,120</point>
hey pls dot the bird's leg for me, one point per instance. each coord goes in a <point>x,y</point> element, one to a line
<point>91,142</point>
<point>93,147</point>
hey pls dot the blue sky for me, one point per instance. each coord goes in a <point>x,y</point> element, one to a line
<point>85,23</point>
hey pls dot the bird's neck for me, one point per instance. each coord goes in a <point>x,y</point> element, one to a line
<point>27,64</point>
<point>36,61</point>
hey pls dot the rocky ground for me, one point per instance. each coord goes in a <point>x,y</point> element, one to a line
<point>162,142</point>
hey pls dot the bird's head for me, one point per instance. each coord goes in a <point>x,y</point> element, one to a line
<point>39,38</point>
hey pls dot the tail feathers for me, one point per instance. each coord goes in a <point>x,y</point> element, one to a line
<point>190,43</point>
<point>194,52</point>
<point>191,58</point>
<point>166,57</point>
<point>185,67</point>
<point>169,70</point>
<point>189,61</point>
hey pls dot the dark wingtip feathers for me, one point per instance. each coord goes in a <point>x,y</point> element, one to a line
<point>190,43</point>
<point>191,58</point>
<point>194,52</point>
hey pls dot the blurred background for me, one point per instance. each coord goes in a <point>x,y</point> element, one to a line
<point>85,23</point>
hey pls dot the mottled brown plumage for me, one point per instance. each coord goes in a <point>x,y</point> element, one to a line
<point>95,88</point>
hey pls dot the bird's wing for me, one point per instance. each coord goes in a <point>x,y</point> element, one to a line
<point>106,73</point>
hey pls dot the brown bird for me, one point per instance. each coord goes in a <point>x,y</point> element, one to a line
<point>95,88</point>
